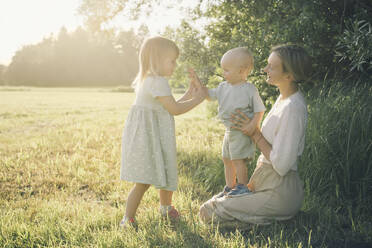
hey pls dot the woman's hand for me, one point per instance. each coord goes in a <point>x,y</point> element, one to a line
<point>243,123</point>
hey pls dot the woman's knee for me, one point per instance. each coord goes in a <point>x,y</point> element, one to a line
<point>204,214</point>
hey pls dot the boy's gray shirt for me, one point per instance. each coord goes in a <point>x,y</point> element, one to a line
<point>243,96</point>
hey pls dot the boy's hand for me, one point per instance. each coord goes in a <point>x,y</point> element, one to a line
<point>195,81</point>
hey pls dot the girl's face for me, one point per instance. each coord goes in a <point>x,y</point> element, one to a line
<point>169,64</point>
<point>274,71</point>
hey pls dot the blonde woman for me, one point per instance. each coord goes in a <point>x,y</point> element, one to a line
<point>149,144</point>
<point>275,183</point>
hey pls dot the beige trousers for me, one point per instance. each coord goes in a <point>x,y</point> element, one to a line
<point>274,198</point>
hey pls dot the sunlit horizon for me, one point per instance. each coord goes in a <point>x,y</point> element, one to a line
<point>29,22</point>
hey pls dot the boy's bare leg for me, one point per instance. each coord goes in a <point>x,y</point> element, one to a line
<point>230,173</point>
<point>241,171</point>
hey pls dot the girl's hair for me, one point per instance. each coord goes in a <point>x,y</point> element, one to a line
<point>295,60</point>
<point>153,51</point>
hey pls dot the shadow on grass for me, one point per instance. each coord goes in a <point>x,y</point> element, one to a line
<point>191,236</point>
<point>308,229</point>
<point>163,233</point>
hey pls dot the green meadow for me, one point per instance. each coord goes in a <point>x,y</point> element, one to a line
<point>60,187</point>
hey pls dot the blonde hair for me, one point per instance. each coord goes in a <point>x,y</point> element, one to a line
<point>295,60</point>
<point>153,51</point>
<point>243,57</point>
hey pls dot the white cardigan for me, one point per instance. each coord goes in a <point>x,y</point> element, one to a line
<point>284,128</point>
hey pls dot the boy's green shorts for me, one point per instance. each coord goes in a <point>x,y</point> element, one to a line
<point>237,145</point>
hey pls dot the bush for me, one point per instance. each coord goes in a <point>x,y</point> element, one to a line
<point>354,48</point>
<point>337,161</point>
<point>212,109</point>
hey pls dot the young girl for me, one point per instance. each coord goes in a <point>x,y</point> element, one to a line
<point>149,144</point>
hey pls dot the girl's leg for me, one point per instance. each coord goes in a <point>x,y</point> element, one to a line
<point>166,208</point>
<point>134,199</point>
<point>241,171</point>
<point>230,173</point>
<point>165,197</point>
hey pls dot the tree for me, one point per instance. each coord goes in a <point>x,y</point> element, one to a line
<point>315,24</point>
<point>261,24</point>
<point>2,72</point>
<point>193,54</point>
<point>79,58</point>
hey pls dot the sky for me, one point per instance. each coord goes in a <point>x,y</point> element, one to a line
<point>25,22</point>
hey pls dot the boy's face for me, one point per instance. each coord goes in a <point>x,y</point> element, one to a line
<point>232,71</point>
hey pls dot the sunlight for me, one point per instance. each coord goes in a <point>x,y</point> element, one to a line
<point>25,22</point>
<point>156,19</point>
<point>28,22</point>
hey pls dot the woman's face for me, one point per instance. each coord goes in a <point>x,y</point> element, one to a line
<point>274,71</point>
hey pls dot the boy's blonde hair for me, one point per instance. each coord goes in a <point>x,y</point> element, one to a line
<point>153,51</point>
<point>243,56</point>
<point>295,60</point>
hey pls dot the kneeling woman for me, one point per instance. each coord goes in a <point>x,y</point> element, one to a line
<point>275,183</point>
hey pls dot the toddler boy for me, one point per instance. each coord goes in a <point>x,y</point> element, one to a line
<point>236,94</point>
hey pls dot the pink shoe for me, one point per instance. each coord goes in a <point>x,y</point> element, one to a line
<point>172,214</point>
<point>127,222</point>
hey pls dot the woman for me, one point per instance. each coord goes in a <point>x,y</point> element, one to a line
<point>276,186</point>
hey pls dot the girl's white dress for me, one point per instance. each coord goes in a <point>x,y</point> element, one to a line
<point>149,143</point>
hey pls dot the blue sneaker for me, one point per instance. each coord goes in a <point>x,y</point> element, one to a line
<point>225,191</point>
<point>239,190</point>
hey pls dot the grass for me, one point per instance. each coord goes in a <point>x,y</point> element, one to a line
<point>60,187</point>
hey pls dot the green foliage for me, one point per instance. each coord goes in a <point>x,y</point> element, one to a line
<point>100,12</point>
<point>193,54</point>
<point>260,25</point>
<point>337,161</point>
<point>212,109</point>
<point>2,72</point>
<point>354,48</point>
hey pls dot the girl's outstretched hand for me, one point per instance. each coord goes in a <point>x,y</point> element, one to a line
<point>190,90</point>
<point>194,79</point>
<point>200,94</point>
<point>242,122</point>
